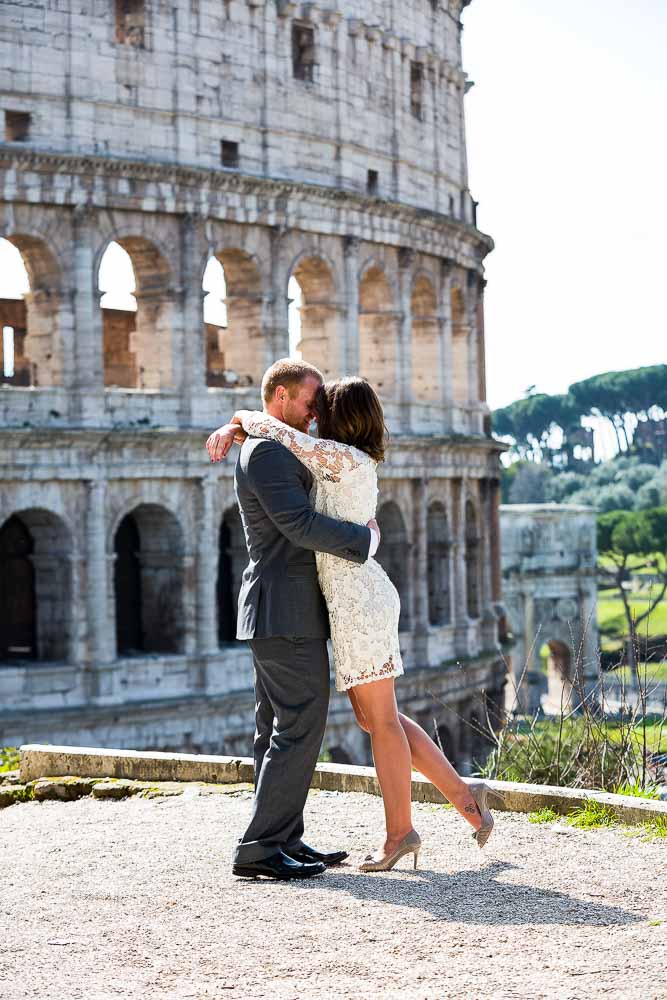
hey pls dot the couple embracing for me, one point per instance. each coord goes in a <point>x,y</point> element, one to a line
<point>308,510</point>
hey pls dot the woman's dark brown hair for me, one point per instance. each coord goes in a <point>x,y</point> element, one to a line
<point>348,410</point>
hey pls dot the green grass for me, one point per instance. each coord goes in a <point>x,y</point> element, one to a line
<point>611,616</point>
<point>650,792</point>
<point>656,734</point>
<point>657,828</point>
<point>545,815</point>
<point>592,816</point>
<point>9,759</point>
<point>651,673</point>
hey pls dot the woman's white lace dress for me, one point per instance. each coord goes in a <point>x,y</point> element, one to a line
<point>363,603</point>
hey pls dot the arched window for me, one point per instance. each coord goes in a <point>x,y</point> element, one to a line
<point>134,279</point>
<point>35,587</point>
<point>148,582</point>
<point>18,640</point>
<point>556,658</point>
<point>236,351</point>
<point>127,588</point>
<point>30,303</point>
<point>314,333</point>
<point>231,563</point>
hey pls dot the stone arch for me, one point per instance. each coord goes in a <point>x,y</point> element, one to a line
<point>35,586</point>
<point>318,312</point>
<point>149,571</point>
<point>438,568</point>
<point>426,360</point>
<point>472,560</point>
<point>236,354</point>
<point>34,317</point>
<point>378,331</point>
<point>138,344</point>
<point>460,333</point>
<point>558,655</point>
<point>393,555</point>
<point>231,563</point>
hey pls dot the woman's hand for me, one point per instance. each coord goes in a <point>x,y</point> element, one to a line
<point>220,441</point>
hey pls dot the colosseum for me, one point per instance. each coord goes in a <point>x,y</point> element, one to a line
<point>264,178</point>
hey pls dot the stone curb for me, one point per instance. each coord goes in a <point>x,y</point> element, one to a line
<point>87,762</point>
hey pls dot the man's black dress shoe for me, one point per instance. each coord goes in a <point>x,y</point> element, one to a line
<point>280,866</point>
<point>307,854</point>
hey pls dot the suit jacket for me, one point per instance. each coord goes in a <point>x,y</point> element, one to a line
<point>280,595</point>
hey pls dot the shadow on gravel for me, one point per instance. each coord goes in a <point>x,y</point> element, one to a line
<point>473,897</point>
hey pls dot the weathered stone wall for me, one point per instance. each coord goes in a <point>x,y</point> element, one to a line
<point>106,443</point>
<point>200,73</point>
<point>550,593</point>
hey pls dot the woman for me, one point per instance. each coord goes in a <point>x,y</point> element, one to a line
<point>364,609</point>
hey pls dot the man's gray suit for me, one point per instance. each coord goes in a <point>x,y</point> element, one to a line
<point>283,615</point>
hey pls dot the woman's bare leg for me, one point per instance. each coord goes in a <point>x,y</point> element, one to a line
<point>429,760</point>
<point>376,703</point>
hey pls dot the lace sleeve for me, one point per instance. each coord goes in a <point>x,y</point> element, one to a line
<point>327,460</point>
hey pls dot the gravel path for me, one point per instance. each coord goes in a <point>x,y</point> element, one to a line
<point>102,900</point>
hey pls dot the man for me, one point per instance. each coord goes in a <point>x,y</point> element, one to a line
<point>283,615</point>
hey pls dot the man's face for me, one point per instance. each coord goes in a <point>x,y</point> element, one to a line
<point>298,410</point>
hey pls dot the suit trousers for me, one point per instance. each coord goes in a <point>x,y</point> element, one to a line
<point>291,703</point>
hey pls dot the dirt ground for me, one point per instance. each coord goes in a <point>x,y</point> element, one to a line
<point>136,898</point>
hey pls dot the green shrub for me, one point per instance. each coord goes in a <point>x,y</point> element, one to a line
<point>9,759</point>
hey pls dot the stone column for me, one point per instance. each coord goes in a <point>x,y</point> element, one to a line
<point>188,321</point>
<point>406,258</point>
<point>523,658</point>
<point>276,326</point>
<point>420,589</point>
<point>351,259</point>
<point>100,640</point>
<point>397,117</point>
<point>206,571</point>
<point>496,570</point>
<point>459,591</point>
<point>88,398</point>
<point>446,347</point>
<point>488,615</point>
<point>471,299</point>
<point>337,25</point>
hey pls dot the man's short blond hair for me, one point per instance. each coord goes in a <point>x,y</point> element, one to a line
<point>287,372</point>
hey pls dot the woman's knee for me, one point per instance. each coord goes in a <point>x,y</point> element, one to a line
<point>375,703</point>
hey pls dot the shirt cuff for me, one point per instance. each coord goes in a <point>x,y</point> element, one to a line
<point>375,541</point>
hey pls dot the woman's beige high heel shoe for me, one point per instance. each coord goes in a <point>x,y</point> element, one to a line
<point>410,844</point>
<point>480,792</point>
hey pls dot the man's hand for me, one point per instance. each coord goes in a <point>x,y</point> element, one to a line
<point>375,527</point>
<point>220,441</point>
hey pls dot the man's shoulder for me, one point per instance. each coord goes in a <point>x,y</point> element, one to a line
<point>274,453</point>
<point>263,447</point>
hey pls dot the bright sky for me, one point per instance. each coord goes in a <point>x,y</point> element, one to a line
<point>567,150</point>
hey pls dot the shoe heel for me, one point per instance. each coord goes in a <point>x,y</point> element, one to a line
<point>415,855</point>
